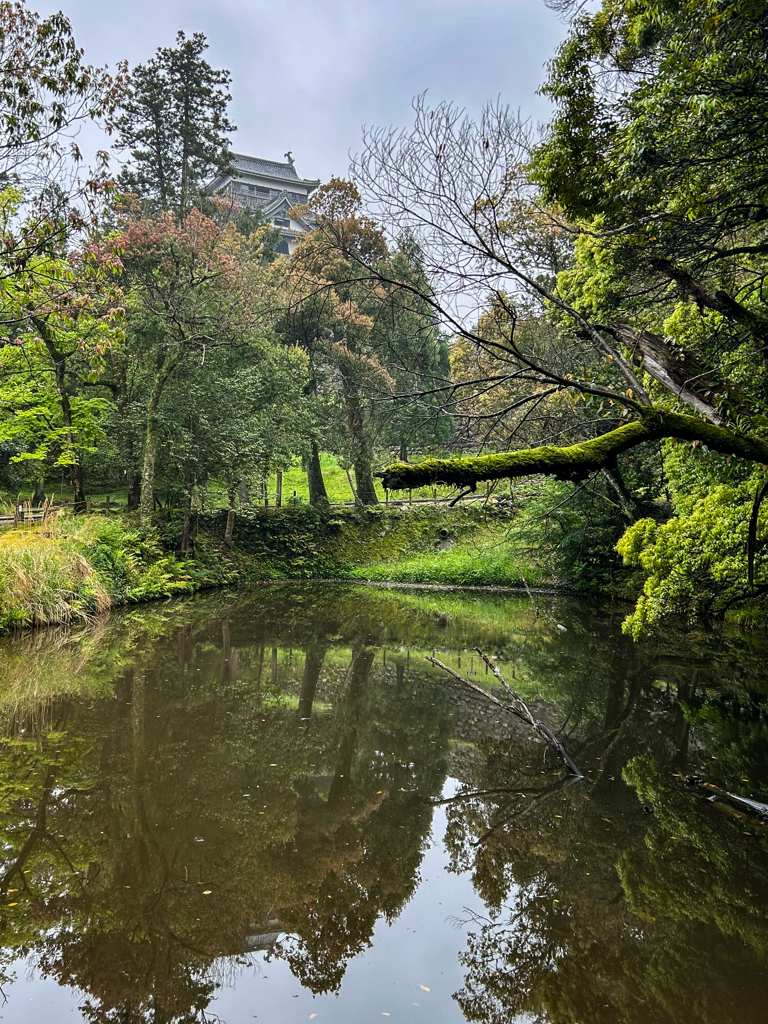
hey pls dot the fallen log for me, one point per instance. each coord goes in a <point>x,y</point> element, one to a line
<point>755,807</point>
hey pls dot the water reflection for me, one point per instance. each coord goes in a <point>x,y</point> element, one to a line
<point>189,785</point>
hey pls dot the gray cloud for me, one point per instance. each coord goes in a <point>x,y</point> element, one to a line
<point>307,74</point>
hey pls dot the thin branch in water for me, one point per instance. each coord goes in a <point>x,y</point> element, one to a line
<point>517,707</point>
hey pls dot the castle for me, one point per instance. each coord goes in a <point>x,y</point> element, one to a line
<point>272,186</point>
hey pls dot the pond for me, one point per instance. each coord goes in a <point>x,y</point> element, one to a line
<point>267,806</point>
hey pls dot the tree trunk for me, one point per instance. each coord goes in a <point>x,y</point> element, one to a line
<point>146,500</point>
<point>184,543</point>
<point>230,526</point>
<point>75,470</point>
<point>577,461</point>
<point>317,492</point>
<point>615,482</point>
<point>403,451</point>
<point>125,432</point>
<point>691,381</point>
<point>59,360</point>
<point>39,496</point>
<point>352,488</point>
<point>134,490</point>
<point>362,455</point>
<point>366,491</point>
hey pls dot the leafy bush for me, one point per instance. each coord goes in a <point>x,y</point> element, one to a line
<point>696,563</point>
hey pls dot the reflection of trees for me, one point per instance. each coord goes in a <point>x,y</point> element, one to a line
<point>140,909</point>
<point>296,770</point>
<point>617,902</point>
<point>363,846</point>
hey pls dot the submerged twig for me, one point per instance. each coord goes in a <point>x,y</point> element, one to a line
<point>516,707</point>
<point>537,798</point>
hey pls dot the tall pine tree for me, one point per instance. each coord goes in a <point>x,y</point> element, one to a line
<point>174,123</point>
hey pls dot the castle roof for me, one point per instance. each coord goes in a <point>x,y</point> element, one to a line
<point>266,168</point>
<point>283,201</point>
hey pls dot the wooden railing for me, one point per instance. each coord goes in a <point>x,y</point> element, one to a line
<point>24,514</point>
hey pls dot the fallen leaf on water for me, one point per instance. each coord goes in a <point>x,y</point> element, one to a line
<point>11,904</point>
<point>424,988</point>
<point>312,1016</point>
<point>207,892</point>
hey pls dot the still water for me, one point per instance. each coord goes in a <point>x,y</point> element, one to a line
<point>268,807</point>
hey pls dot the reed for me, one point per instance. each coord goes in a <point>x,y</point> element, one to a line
<point>67,569</point>
<point>45,579</point>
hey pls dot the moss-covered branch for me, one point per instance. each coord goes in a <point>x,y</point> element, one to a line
<point>576,461</point>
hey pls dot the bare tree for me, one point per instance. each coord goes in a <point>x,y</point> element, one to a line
<point>461,189</point>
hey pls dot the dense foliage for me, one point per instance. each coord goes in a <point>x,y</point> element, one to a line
<point>586,304</point>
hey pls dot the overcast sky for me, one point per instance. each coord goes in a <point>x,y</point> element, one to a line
<point>307,74</point>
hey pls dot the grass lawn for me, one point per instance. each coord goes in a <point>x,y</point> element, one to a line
<point>294,482</point>
<point>487,558</point>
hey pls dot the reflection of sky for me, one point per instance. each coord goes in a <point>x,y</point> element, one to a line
<point>308,73</point>
<point>421,947</point>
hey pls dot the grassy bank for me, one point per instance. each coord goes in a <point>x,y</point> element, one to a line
<point>71,569</point>
<point>421,544</point>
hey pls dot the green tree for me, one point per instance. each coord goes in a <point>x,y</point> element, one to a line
<point>191,289</point>
<point>235,420</point>
<point>174,123</point>
<point>365,342</point>
<point>650,268</point>
<point>62,316</point>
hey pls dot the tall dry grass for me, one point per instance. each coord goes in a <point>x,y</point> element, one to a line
<point>45,579</point>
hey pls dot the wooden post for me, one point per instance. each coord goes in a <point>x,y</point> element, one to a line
<point>106,504</point>
<point>88,506</point>
<point>352,487</point>
<point>230,526</point>
<point>434,495</point>
<point>410,497</point>
<point>279,490</point>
